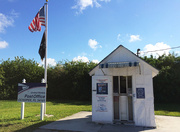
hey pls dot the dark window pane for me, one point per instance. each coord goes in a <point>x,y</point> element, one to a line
<point>122,84</point>
<point>115,84</point>
<point>129,84</point>
<point>129,81</point>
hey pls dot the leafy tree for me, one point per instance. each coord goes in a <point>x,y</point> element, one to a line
<point>70,80</point>
<point>167,82</point>
<point>1,75</point>
<point>15,71</point>
<point>1,81</point>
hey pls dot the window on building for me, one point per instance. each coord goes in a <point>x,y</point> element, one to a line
<point>122,84</point>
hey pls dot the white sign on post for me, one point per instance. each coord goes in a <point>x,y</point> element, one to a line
<point>32,92</point>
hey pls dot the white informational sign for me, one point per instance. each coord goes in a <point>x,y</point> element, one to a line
<point>32,92</point>
<point>101,104</point>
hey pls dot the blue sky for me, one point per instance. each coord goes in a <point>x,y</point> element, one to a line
<point>89,29</point>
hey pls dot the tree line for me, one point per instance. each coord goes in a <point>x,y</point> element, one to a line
<point>69,80</point>
<point>167,83</point>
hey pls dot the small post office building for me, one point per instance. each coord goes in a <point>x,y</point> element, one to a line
<point>122,89</point>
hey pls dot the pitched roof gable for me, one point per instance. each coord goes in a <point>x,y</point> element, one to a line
<point>92,72</point>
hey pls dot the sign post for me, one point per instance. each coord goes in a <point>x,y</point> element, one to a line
<point>22,104</point>
<point>22,110</point>
<point>42,105</point>
<point>42,111</point>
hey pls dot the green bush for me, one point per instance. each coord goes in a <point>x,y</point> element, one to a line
<point>167,82</point>
<point>14,71</point>
<point>70,79</point>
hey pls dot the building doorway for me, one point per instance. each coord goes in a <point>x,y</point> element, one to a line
<point>122,97</point>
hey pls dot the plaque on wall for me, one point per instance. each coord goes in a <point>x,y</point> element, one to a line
<point>102,88</point>
<point>140,93</point>
<point>101,103</point>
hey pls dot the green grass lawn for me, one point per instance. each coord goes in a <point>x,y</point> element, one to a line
<point>10,112</point>
<point>167,109</point>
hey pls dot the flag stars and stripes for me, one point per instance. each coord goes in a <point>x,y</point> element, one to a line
<point>38,21</point>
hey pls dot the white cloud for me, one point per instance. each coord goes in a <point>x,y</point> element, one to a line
<point>3,44</point>
<point>84,59</point>
<point>134,38</point>
<point>5,21</point>
<point>83,54</point>
<point>158,46</point>
<point>118,37</point>
<point>96,3</point>
<point>95,61</point>
<point>81,58</point>
<point>14,14</point>
<point>93,43</point>
<point>50,62</point>
<point>83,4</point>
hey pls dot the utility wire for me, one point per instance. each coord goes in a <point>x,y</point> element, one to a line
<point>162,49</point>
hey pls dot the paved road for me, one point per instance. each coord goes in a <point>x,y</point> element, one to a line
<point>81,122</point>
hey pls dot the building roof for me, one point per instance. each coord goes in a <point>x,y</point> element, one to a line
<point>92,72</point>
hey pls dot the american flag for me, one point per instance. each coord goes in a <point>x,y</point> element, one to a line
<point>38,21</point>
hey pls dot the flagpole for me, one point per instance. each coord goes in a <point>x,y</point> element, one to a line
<point>45,63</point>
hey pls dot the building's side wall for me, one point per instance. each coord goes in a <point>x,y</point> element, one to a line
<point>144,108</point>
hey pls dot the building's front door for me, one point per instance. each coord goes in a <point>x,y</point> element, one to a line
<point>122,91</point>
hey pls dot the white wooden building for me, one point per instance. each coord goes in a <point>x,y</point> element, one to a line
<point>122,89</point>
